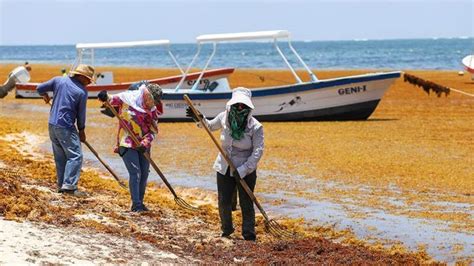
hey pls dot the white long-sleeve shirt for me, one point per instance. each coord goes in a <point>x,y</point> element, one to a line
<point>244,153</point>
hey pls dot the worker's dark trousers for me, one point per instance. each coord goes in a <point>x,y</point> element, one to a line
<point>225,188</point>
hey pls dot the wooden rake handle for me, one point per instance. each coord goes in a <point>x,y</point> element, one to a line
<point>137,142</point>
<point>105,165</point>
<point>231,164</point>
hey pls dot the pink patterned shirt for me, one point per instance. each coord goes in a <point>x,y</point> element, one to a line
<point>143,125</point>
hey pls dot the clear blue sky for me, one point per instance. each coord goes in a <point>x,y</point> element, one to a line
<point>73,21</point>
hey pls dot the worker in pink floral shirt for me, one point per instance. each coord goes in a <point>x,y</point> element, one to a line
<point>138,110</point>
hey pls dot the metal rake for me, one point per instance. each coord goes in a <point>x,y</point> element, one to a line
<point>274,228</point>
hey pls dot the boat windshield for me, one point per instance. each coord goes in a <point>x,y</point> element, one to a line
<point>245,36</point>
<point>85,51</point>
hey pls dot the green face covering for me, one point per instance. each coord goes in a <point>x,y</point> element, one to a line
<point>238,121</point>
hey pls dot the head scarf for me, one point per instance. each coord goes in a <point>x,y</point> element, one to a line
<point>238,121</point>
<point>135,99</point>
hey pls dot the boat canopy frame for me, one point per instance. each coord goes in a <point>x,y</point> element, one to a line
<point>84,50</point>
<point>274,35</point>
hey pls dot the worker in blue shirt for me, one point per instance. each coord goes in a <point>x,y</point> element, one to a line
<point>69,106</point>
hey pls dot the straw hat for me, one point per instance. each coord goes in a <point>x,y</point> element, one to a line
<point>241,95</point>
<point>84,70</point>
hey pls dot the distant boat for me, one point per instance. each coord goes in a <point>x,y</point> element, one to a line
<point>345,98</point>
<point>468,63</point>
<point>211,80</point>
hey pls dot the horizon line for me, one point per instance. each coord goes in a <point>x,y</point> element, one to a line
<point>283,40</point>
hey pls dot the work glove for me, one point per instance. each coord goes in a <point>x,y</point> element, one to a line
<point>135,86</point>
<point>46,98</point>
<point>141,149</point>
<point>103,96</point>
<point>106,111</point>
<point>190,113</point>
<point>235,173</point>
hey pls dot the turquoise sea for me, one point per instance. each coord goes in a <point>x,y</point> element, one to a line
<point>358,54</point>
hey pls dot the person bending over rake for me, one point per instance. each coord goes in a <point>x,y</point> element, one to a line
<point>138,110</point>
<point>242,140</point>
<point>69,105</point>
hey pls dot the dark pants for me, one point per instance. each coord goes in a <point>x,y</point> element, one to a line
<point>138,169</point>
<point>225,188</point>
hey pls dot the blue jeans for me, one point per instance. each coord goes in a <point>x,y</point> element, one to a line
<point>67,156</point>
<point>138,169</point>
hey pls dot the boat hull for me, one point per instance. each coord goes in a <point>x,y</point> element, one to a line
<point>357,111</point>
<point>213,80</point>
<point>348,98</point>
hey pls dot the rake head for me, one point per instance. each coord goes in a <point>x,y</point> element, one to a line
<point>274,228</point>
<point>183,204</point>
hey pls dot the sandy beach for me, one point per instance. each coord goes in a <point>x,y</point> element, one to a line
<point>41,243</point>
<point>395,189</point>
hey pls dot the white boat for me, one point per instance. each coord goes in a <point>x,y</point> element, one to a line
<point>215,79</point>
<point>468,63</point>
<point>346,98</point>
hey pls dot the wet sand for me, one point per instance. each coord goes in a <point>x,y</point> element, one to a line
<point>402,178</point>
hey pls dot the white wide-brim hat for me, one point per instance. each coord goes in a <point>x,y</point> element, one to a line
<point>241,95</point>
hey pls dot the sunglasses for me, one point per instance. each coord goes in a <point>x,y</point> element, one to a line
<point>241,106</point>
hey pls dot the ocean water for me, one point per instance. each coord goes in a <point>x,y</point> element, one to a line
<point>443,54</point>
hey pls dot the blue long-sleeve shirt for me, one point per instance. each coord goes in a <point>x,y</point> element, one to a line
<point>69,102</point>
